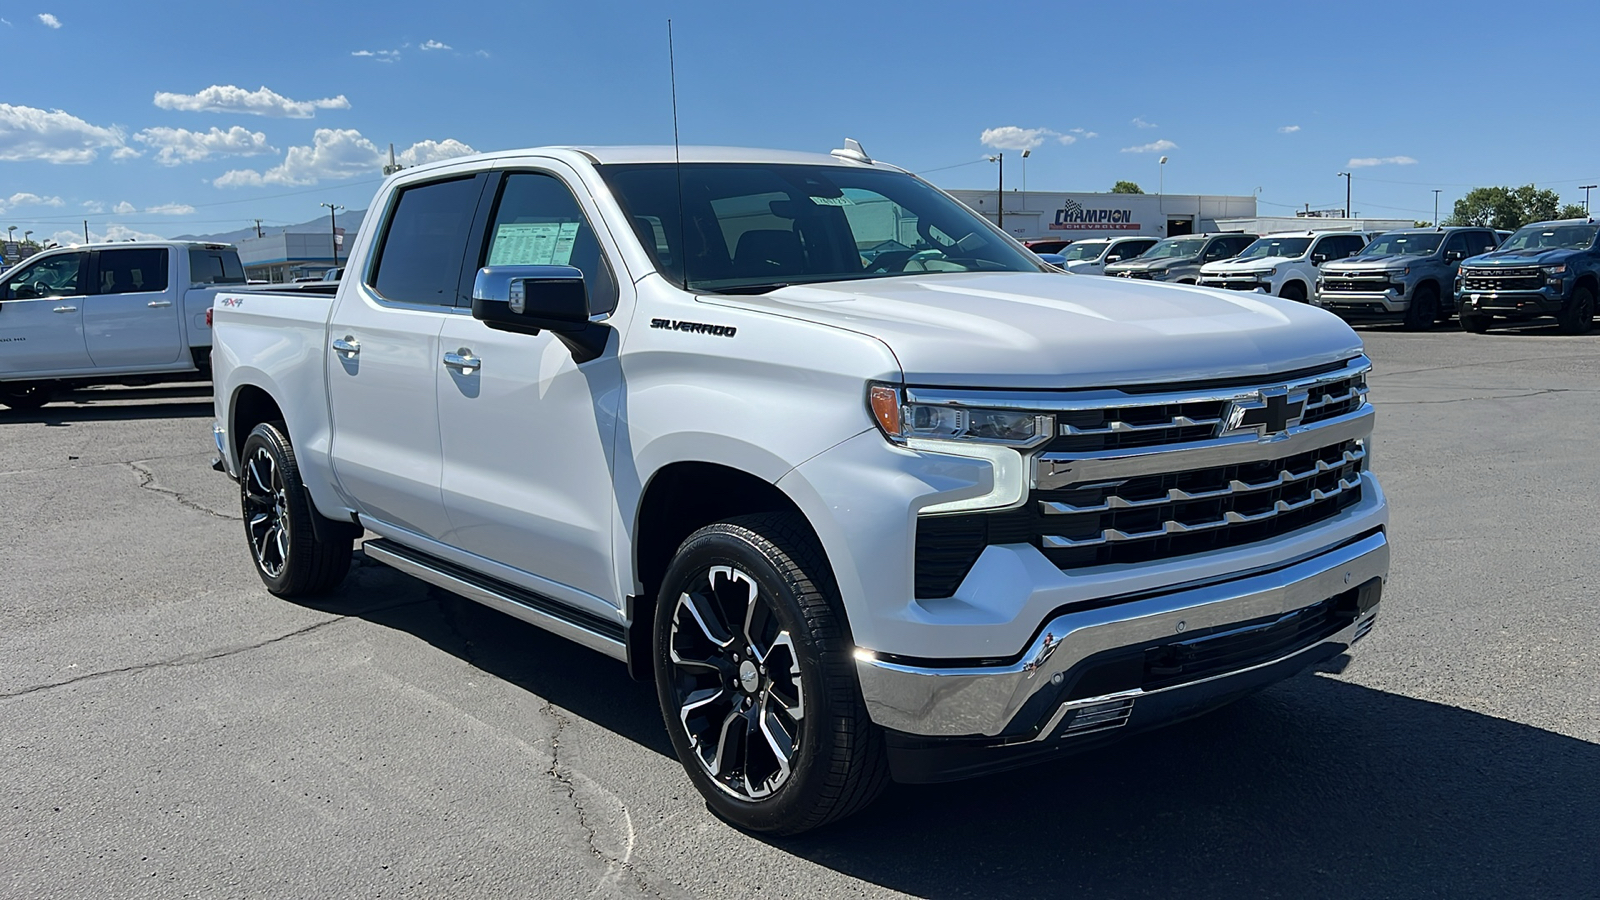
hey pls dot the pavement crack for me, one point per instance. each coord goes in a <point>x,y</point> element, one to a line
<point>147,481</point>
<point>187,659</point>
<point>1538,393</point>
<point>564,778</point>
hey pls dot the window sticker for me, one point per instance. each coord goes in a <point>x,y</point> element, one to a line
<point>533,244</point>
<point>833,201</point>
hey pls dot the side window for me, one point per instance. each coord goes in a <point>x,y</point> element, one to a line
<point>425,243</point>
<point>56,276</point>
<point>1217,250</point>
<point>1481,242</point>
<point>537,222</point>
<point>133,271</point>
<point>1457,243</point>
<point>215,267</point>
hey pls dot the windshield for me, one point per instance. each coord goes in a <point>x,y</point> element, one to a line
<point>754,227</point>
<point>1404,243</point>
<point>1552,237</point>
<point>1267,246</point>
<point>1175,248</point>
<point>1085,250</point>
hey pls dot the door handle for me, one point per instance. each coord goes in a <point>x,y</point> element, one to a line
<point>158,304</point>
<point>464,360</point>
<point>65,309</point>
<point>347,345</point>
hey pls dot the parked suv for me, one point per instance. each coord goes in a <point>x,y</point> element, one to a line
<point>1092,256</point>
<point>1545,269</point>
<point>1403,275</point>
<point>1282,264</point>
<point>1178,259</point>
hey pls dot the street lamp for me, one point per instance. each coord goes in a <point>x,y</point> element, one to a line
<point>25,236</point>
<point>1346,177</point>
<point>11,232</point>
<point>1161,177</point>
<point>333,229</point>
<point>1586,189</point>
<point>1000,191</point>
<point>1435,207</point>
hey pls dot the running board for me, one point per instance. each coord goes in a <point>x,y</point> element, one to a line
<point>536,609</point>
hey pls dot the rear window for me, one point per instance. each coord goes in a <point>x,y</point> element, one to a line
<point>133,271</point>
<point>215,266</point>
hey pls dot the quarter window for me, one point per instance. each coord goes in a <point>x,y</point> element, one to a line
<point>537,222</point>
<point>208,266</point>
<point>425,243</point>
<point>136,270</point>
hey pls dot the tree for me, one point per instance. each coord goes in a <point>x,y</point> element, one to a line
<point>1511,208</point>
<point>1126,187</point>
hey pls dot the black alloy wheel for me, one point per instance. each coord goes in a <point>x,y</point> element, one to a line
<point>756,679</point>
<point>1295,291</point>
<point>288,554</point>
<point>1423,313</point>
<point>1577,317</point>
<point>25,395</point>
<point>1473,323</point>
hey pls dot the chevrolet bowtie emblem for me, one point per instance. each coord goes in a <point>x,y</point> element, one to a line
<point>1269,414</point>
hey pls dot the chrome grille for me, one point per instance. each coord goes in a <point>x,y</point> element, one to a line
<point>1494,280</point>
<point>1350,284</point>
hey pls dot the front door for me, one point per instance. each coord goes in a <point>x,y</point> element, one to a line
<point>41,317</point>
<point>383,358</point>
<point>527,432</point>
<point>130,318</point>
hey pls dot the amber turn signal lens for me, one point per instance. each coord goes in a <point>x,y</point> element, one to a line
<point>885,402</point>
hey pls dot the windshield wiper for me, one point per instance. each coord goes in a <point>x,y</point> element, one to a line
<point>749,288</point>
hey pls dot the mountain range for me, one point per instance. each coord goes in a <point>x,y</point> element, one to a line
<point>350,221</point>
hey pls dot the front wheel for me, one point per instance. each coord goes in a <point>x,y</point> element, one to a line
<point>1577,317</point>
<point>755,676</point>
<point>1423,313</point>
<point>25,396</point>
<point>289,557</point>
<point>1471,323</point>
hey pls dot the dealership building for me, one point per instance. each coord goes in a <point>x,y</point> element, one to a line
<point>1044,214</point>
<point>290,254</point>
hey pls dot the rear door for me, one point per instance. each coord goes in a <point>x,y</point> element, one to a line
<point>131,317</point>
<point>383,356</point>
<point>41,316</point>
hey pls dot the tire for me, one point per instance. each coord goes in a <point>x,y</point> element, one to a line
<point>756,679</point>
<point>25,396</point>
<point>1423,313</point>
<point>288,555</point>
<point>1473,324</point>
<point>1577,317</point>
<point>1293,290</point>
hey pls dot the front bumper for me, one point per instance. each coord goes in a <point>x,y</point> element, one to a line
<point>1357,304</point>
<point>1096,662</point>
<point>1543,302</point>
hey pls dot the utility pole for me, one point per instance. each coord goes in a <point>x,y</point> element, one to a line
<point>258,227</point>
<point>1000,191</point>
<point>333,229</point>
<point>1346,177</point>
<point>1586,189</point>
<point>1161,178</point>
<point>1435,207</point>
<point>86,231</point>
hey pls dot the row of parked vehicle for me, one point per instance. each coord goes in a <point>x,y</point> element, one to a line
<point>1420,277</point>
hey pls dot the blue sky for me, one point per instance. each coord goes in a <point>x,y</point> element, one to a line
<point>180,117</point>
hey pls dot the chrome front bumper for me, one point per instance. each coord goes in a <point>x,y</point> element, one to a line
<point>1368,302</point>
<point>987,701</point>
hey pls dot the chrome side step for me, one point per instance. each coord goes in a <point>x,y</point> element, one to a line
<point>552,615</point>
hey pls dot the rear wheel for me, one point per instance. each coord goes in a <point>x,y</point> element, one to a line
<point>1577,317</point>
<point>25,395</point>
<point>291,560</point>
<point>756,679</point>
<point>1423,313</point>
<point>1475,324</point>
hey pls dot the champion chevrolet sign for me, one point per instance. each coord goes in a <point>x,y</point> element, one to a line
<point>1072,216</point>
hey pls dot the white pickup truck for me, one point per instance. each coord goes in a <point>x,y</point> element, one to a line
<point>1284,265</point>
<point>128,313</point>
<point>921,516</point>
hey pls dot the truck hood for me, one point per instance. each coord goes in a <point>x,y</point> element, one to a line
<point>1531,257</point>
<point>1254,264</point>
<point>1374,263</point>
<point>1142,265</point>
<point>1024,330</point>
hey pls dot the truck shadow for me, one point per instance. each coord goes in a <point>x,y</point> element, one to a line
<point>183,401</point>
<point>1314,788</point>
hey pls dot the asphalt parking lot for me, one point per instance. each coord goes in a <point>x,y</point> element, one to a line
<point>168,729</point>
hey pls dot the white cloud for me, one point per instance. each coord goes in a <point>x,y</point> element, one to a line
<point>387,56</point>
<point>180,145</point>
<point>28,198</point>
<point>339,153</point>
<point>124,208</point>
<point>93,206</point>
<point>483,54</point>
<point>47,20</point>
<point>1289,129</point>
<point>1154,147</point>
<point>1011,137</point>
<point>113,232</point>
<point>263,102</point>
<point>170,209</point>
<point>1139,122</point>
<point>435,45</point>
<point>55,136</point>
<point>1084,134</point>
<point>1366,161</point>
<point>7,23</point>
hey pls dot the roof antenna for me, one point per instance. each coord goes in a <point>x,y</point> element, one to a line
<point>677,160</point>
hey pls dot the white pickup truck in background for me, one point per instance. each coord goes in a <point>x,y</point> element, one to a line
<point>931,513</point>
<point>128,313</point>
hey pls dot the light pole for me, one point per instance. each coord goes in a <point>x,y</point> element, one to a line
<point>1586,189</point>
<point>1161,177</point>
<point>333,229</point>
<point>1000,191</point>
<point>1346,177</point>
<point>11,232</point>
<point>26,235</point>
<point>1435,207</point>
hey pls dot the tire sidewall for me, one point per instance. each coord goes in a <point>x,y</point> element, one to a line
<point>712,547</point>
<point>277,444</point>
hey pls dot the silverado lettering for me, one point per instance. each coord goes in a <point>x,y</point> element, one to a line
<point>696,327</point>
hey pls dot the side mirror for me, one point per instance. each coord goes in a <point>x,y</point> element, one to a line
<point>1112,259</point>
<point>530,299</point>
<point>1454,256</point>
<point>1318,259</point>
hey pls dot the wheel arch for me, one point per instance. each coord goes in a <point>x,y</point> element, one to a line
<point>251,405</point>
<point>1588,280</point>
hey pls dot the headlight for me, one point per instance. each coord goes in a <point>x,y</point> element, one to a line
<point>1554,271</point>
<point>901,421</point>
